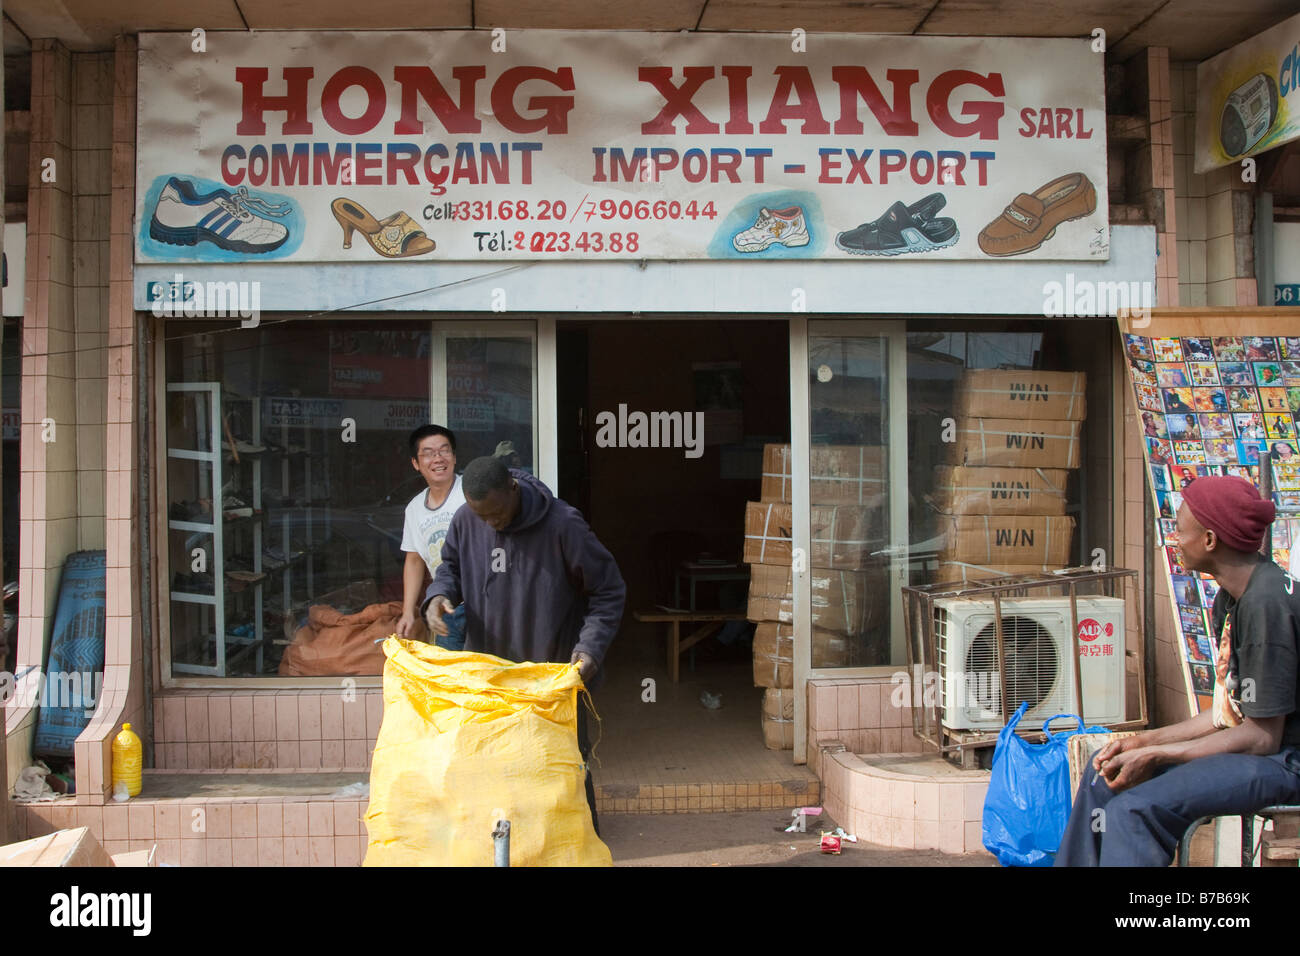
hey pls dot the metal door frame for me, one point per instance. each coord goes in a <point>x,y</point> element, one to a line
<point>894,333</point>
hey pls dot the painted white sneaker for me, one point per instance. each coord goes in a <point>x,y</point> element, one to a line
<point>785,226</point>
<point>183,217</point>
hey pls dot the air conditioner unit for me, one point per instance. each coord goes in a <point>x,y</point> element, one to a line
<point>1036,634</point>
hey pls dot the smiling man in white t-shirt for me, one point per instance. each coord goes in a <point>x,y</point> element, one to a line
<point>433,455</point>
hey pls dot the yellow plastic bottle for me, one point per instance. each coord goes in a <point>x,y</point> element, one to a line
<point>128,759</point>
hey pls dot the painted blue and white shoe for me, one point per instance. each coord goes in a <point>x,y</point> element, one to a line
<point>786,227</point>
<point>183,217</point>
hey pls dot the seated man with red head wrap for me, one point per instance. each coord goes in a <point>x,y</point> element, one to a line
<point>1241,754</point>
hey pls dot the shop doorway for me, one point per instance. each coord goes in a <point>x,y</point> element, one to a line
<point>667,495</point>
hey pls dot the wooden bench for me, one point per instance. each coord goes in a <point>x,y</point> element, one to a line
<point>710,623</point>
<point>1282,848</point>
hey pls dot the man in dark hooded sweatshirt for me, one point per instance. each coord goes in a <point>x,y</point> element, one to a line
<point>536,584</point>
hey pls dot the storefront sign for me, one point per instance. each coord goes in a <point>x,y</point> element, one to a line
<point>361,147</point>
<point>384,363</point>
<point>331,413</point>
<point>471,414</point>
<point>1248,97</point>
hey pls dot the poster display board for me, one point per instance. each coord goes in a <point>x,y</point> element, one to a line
<point>1212,400</point>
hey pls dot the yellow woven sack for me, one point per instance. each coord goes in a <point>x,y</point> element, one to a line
<point>470,738</point>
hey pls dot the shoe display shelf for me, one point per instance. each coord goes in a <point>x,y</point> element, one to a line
<point>293,564</point>
<point>244,575</point>
<point>234,529</point>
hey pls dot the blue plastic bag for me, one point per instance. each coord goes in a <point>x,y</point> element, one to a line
<point>1028,801</point>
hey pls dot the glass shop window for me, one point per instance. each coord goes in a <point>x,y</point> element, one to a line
<point>287,474</point>
<point>1009,448</point>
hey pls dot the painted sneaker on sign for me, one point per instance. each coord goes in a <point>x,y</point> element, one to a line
<point>784,226</point>
<point>234,221</point>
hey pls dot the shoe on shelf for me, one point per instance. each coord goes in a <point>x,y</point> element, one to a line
<point>276,553</point>
<point>238,580</point>
<point>197,512</point>
<point>786,227</point>
<point>185,217</point>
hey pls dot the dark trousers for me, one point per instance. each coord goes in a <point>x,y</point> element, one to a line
<point>584,748</point>
<point>1141,826</point>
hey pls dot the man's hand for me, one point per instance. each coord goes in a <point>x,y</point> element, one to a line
<point>586,665</point>
<point>433,616</point>
<point>405,623</point>
<point>1117,745</point>
<point>1131,767</point>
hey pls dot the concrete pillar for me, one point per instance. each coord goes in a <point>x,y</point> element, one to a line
<point>127,662</point>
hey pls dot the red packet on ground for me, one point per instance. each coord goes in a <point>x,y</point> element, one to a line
<point>830,843</point>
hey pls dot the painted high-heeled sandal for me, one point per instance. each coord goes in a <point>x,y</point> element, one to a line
<point>396,237</point>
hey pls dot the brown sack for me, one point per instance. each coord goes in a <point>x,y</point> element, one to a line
<point>333,644</point>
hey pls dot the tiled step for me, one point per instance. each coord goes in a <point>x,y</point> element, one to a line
<point>713,797</point>
<point>906,801</point>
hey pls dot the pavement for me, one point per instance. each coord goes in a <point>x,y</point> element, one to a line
<point>748,838</point>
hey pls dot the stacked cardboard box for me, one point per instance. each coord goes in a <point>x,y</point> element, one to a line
<point>843,536</point>
<point>843,602</point>
<point>959,572</point>
<point>778,718</point>
<point>1002,493</point>
<point>774,652</point>
<point>74,848</point>
<point>841,474</point>
<point>847,490</point>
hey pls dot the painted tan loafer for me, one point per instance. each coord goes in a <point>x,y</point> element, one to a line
<point>1031,220</point>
